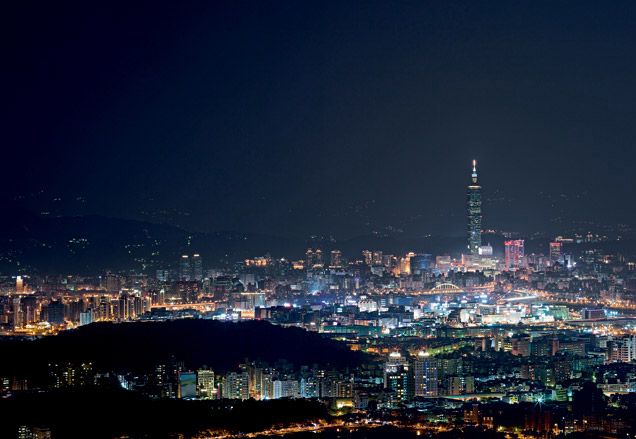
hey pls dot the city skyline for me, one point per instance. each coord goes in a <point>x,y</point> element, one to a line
<point>222,247</point>
<point>338,219</point>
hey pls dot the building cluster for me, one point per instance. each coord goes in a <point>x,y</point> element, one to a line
<point>252,380</point>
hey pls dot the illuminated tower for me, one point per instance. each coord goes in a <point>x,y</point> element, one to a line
<point>474,213</point>
<point>185,269</point>
<point>19,285</point>
<point>197,267</point>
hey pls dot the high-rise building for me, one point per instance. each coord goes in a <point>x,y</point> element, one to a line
<point>460,385</point>
<point>424,375</point>
<point>185,269</point>
<point>286,389</point>
<point>367,256</point>
<point>112,282</point>
<point>474,213</point>
<point>163,275</point>
<point>187,385</point>
<point>56,312</point>
<point>621,350</point>
<point>197,267</point>
<point>18,314</point>
<point>309,258</point>
<point>313,258</point>
<point>205,384</point>
<point>19,285</point>
<point>421,263</point>
<point>514,254</point>
<point>336,258</point>
<point>396,376</point>
<point>86,317</point>
<point>236,386</point>
<point>261,384</point>
<point>556,253</point>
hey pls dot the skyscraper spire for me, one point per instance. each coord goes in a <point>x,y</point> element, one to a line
<point>474,172</point>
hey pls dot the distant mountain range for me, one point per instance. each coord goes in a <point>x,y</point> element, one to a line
<point>32,243</point>
<point>91,244</point>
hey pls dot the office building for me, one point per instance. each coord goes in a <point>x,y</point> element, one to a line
<point>197,267</point>
<point>396,376</point>
<point>420,263</point>
<point>185,268</point>
<point>474,213</point>
<point>56,312</point>
<point>336,259</point>
<point>514,254</point>
<point>187,385</point>
<point>622,350</point>
<point>286,389</point>
<point>424,375</point>
<point>205,384</point>
<point>236,386</point>
<point>86,317</point>
<point>556,253</point>
<point>19,285</point>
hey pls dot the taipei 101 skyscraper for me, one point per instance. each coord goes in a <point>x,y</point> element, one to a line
<point>474,213</point>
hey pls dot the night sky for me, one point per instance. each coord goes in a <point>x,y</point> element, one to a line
<point>294,118</point>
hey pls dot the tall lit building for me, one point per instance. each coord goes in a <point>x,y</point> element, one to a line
<point>185,269</point>
<point>19,285</point>
<point>18,314</point>
<point>421,263</point>
<point>197,267</point>
<point>336,258</point>
<point>622,350</point>
<point>474,213</point>
<point>56,312</point>
<point>236,386</point>
<point>187,385</point>
<point>514,254</point>
<point>309,258</point>
<point>396,376</point>
<point>163,275</point>
<point>556,253</point>
<point>205,384</point>
<point>286,389</point>
<point>86,317</point>
<point>424,375</point>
